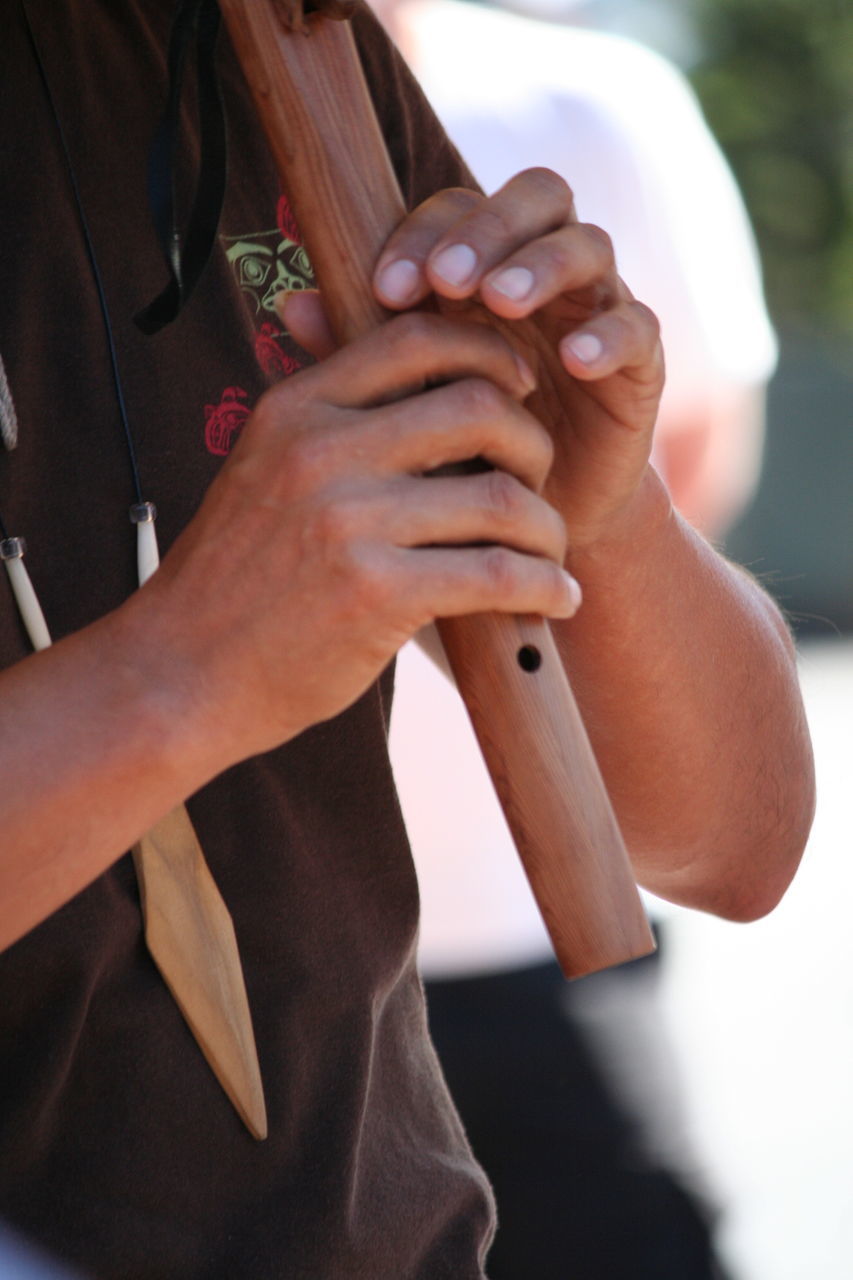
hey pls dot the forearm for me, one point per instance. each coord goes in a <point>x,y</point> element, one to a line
<point>686,677</point>
<point>317,551</point>
<point>96,744</point>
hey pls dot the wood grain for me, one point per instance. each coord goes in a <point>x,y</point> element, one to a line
<point>191,938</point>
<point>315,108</point>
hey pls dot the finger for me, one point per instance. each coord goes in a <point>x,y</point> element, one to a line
<point>530,206</point>
<point>625,337</point>
<point>400,278</point>
<point>576,257</point>
<point>457,422</point>
<point>302,313</point>
<point>492,507</point>
<point>406,354</point>
<point>451,582</point>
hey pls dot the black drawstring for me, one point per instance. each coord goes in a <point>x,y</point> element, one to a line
<point>197,20</point>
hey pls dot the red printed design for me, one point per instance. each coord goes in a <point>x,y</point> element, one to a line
<point>273,359</point>
<point>286,221</point>
<point>223,422</point>
<point>264,263</point>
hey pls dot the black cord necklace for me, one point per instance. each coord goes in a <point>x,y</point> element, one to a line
<point>142,512</point>
<point>195,21</point>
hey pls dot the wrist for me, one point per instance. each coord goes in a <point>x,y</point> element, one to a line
<point>630,540</point>
<point>164,688</point>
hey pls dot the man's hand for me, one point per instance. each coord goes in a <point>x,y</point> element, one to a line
<point>682,666</point>
<point>521,253</point>
<point>323,546</point>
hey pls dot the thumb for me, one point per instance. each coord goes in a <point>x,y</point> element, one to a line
<point>303,315</point>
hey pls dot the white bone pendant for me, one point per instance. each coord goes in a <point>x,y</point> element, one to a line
<point>143,515</point>
<point>12,554</point>
<point>189,930</point>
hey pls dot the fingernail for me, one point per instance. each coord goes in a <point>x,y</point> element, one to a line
<point>515,283</point>
<point>398,281</point>
<point>456,264</point>
<point>585,347</point>
<point>528,377</point>
<point>280,301</point>
<point>575,593</point>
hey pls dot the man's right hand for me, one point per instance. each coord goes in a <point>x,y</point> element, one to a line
<point>322,546</point>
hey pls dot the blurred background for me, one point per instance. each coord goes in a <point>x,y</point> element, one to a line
<point>760,1017</point>
<point>775,80</point>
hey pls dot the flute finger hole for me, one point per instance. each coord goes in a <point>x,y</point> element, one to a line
<point>529,658</point>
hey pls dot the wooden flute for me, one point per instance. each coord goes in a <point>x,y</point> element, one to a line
<point>313,103</point>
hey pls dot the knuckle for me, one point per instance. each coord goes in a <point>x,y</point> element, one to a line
<point>560,257</point>
<point>646,319</point>
<point>499,565</point>
<point>493,222</point>
<point>600,238</point>
<point>459,200</point>
<point>411,332</point>
<point>331,523</point>
<point>371,587</point>
<point>504,497</point>
<point>272,414</point>
<point>550,185</point>
<point>283,402</point>
<point>307,462</point>
<point>477,399</point>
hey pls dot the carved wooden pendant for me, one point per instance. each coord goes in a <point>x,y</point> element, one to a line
<point>189,930</point>
<point>190,935</point>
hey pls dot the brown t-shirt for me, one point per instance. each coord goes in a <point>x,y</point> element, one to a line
<point>118,1149</point>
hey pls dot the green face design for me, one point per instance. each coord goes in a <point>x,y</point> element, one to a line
<point>265,264</point>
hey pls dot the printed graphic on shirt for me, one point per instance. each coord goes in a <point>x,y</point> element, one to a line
<point>224,421</point>
<point>264,263</point>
